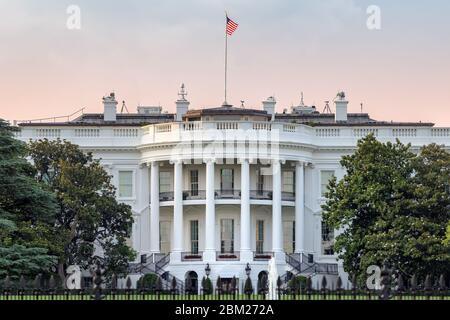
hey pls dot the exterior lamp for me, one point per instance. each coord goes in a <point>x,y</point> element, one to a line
<point>207,270</point>
<point>248,270</point>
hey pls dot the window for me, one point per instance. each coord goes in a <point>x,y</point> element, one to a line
<point>288,181</point>
<point>227,236</point>
<point>325,177</point>
<point>194,182</point>
<point>288,236</point>
<point>194,236</point>
<point>164,236</point>
<point>165,179</point>
<point>327,239</point>
<point>260,236</point>
<point>260,182</point>
<point>227,180</point>
<point>125,184</point>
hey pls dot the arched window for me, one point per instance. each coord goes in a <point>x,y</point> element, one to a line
<point>191,280</point>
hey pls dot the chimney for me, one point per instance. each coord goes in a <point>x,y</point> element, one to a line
<point>269,106</point>
<point>341,107</point>
<point>182,104</point>
<point>110,108</point>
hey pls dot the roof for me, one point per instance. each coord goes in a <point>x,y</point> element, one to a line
<point>353,119</point>
<point>143,119</point>
<point>225,110</point>
<point>96,119</point>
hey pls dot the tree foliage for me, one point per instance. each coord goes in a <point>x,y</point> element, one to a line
<point>26,211</point>
<point>392,205</point>
<point>90,224</point>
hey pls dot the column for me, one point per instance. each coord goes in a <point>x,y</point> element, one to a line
<point>144,201</point>
<point>246,253</point>
<point>177,212</point>
<point>209,254</point>
<point>277,225</point>
<point>299,207</point>
<point>154,207</point>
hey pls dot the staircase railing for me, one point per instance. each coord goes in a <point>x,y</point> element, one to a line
<point>156,264</point>
<point>299,263</point>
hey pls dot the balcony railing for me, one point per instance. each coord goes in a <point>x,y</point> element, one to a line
<point>261,195</point>
<point>192,256</point>
<point>288,196</point>
<point>262,256</point>
<point>166,196</point>
<point>228,194</point>
<point>229,256</point>
<point>194,195</point>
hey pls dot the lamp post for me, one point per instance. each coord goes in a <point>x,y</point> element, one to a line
<point>248,270</point>
<point>206,283</point>
<point>248,288</point>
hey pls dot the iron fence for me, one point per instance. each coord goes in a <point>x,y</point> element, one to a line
<point>47,290</point>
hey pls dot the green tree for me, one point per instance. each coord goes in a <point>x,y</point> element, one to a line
<point>90,224</point>
<point>391,205</point>
<point>26,210</point>
<point>447,240</point>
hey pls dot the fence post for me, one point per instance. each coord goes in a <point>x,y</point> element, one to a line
<point>354,286</point>
<point>113,286</point>
<point>385,283</point>
<point>339,287</point>
<point>442,286</point>
<point>400,287</point>
<point>279,284</point>
<point>174,287</point>
<point>51,286</point>
<point>7,286</point>
<point>414,286</point>
<point>428,287</point>
<point>308,287</point>
<point>128,284</point>
<point>22,285</point>
<point>324,287</point>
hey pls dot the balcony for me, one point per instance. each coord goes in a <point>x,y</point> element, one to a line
<point>166,196</point>
<point>261,195</point>
<point>288,196</point>
<point>192,256</point>
<point>194,195</point>
<point>228,256</point>
<point>227,194</point>
<point>262,256</point>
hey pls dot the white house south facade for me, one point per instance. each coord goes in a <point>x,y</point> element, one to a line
<point>218,190</point>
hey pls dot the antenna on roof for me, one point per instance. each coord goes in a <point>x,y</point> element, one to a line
<point>361,107</point>
<point>302,103</point>
<point>242,104</point>
<point>124,107</point>
<point>327,108</point>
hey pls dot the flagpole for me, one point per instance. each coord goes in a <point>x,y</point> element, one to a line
<point>226,57</point>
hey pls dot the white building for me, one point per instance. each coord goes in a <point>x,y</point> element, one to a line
<point>228,186</point>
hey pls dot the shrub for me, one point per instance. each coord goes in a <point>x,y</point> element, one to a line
<point>248,287</point>
<point>297,282</point>
<point>207,286</point>
<point>147,281</point>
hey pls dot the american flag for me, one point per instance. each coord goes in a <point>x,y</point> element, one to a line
<point>231,26</point>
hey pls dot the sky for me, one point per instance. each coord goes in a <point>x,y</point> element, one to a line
<point>143,51</point>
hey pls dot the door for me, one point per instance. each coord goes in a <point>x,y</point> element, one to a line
<point>227,236</point>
